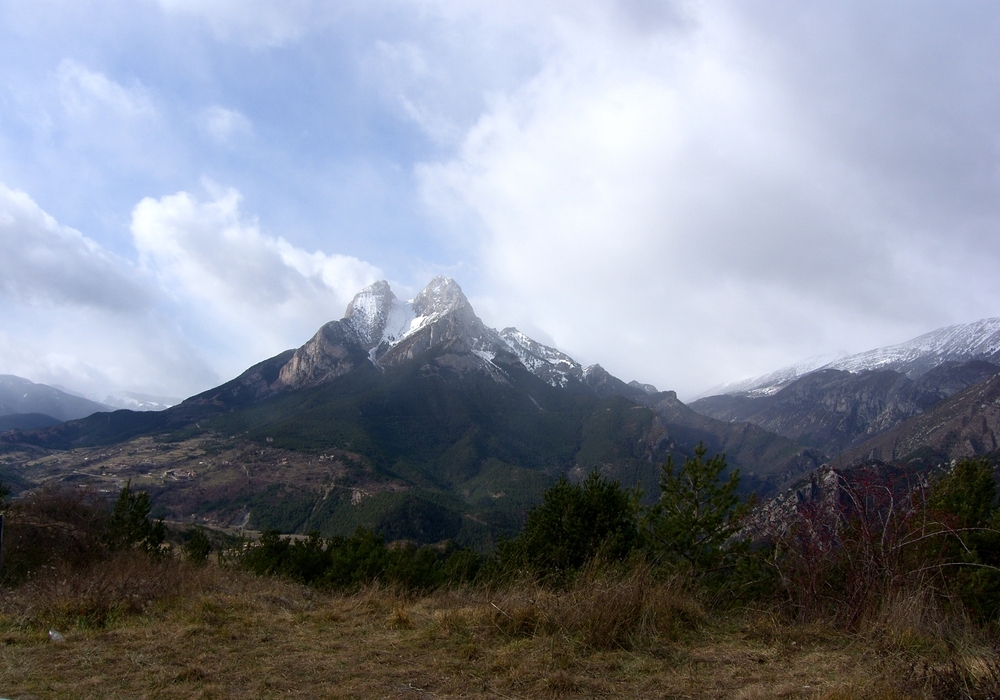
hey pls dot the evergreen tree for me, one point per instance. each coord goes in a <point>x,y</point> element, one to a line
<point>198,546</point>
<point>573,524</point>
<point>963,504</point>
<point>129,526</point>
<point>697,513</point>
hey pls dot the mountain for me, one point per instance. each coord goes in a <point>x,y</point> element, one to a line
<point>962,343</point>
<point>22,396</point>
<point>841,404</point>
<point>135,401</point>
<point>954,344</point>
<point>833,410</point>
<point>25,421</point>
<point>413,417</point>
<point>965,425</point>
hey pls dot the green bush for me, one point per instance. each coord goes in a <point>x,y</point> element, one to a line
<point>198,546</point>
<point>129,526</point>
<point>345,563</point>
<point>964,514</point>
<point>574,524</point>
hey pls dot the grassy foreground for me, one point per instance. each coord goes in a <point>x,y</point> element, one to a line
<point>140,628</point>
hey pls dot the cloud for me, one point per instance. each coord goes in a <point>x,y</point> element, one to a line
<point>257,23</point>
<point>77,315</point>
<point>95,352</point>
<point>212,295</point>
<point>254,294</point>
<point>224,125</point>
<point>676,204</point>
<point>88,93</point>
<point>44,263</point>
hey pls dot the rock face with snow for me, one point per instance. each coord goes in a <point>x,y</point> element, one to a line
<point>843,403</point>
<point>962,343</point>
<point>384,331</point>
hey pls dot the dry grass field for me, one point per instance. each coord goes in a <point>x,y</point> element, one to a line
<point>136,628</point>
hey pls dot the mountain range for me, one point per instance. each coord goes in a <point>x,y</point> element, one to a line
<point>844,408</point>
<point>417,419</point>
<point>410,416</point>
<point>25,404</point>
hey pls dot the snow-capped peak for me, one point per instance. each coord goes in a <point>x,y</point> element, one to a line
<point>440,296</point>
<point>978,340</point>
<point>971,341</point>
<point>382,321</point>
<point>368,311</point>
<point>553,366</point>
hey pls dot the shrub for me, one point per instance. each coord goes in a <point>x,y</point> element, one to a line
<point>605,607</point>
<point>129,526</point>
<point>198,546</point>
<point>964,515</point>
<point>574,524</point>
<point>49,526</point>
<point>94,595</point>
<point>363,558</point>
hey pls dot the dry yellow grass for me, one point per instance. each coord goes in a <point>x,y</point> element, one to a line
<point>216,633</point>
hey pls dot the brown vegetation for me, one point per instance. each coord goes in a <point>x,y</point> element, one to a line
<point>136,627</point>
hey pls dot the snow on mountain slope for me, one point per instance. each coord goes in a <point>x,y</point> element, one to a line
<point>389,331</point>
<point>961,343</point>
<point>382,322</point>
<point>768,384</point>
<point>555,367</point>
<point>970,341</point>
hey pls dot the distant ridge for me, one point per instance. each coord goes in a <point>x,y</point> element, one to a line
<point>843,403</point>
<point>22,396</point>
<point>979,340</point>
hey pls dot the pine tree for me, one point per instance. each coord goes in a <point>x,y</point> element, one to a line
<point>697,514</point>
<point>129,526</point>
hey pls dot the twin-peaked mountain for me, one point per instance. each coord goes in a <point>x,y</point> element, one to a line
<point>383,332</point>
<point>439,426</point>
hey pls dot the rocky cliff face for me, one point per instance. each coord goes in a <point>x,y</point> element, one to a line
<point>834,410</point>
<point>965,425</point>
<point>384,331</point>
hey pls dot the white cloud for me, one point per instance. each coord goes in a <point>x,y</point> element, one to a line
<point>253,293</point>
<point>213,295</point>
<point>42,262</point>
<point>75,314</point>
<point>95,353</point>
<point>89,93</point>
<point>663,203</point>
<point>224,125</point>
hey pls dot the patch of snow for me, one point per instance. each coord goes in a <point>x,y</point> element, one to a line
<point>399,322</point>
<point>961,343</point>
<point>954,343</point>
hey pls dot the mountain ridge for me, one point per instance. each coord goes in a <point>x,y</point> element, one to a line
<point>441,418</point>
<point>23,396</point>
<point>979,340</point>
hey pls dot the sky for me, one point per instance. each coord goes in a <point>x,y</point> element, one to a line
<point>685,192</point>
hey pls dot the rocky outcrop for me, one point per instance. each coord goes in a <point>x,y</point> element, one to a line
<point>333,352</point>
<point>834,410</point>
<point>965,425</point>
